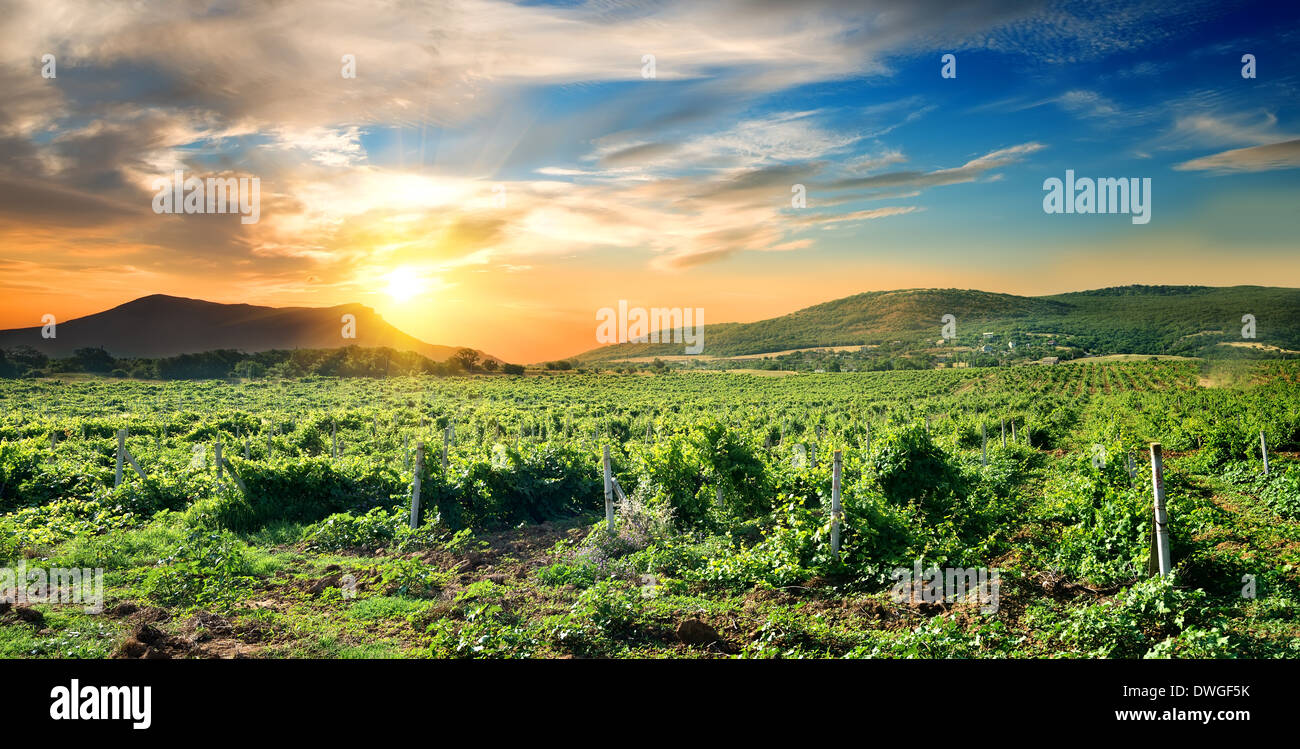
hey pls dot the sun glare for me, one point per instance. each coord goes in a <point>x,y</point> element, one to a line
<point>403,284</point>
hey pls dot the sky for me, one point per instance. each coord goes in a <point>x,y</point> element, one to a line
<point>495,173</point>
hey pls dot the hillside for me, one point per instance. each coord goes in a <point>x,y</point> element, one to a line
<point>160,326</point>
<point>1180,320</point>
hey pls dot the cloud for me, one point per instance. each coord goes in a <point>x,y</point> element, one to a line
<point>689,168</point>
<point>781,137</point>
<point>967,172</point>
<point>855,216</point>
<point>1052,33</point>
<point>331,147</point>
<point>1087,103</point>
<point>1284,155</point>
<point>1242,128</point>
<point>639,154</point>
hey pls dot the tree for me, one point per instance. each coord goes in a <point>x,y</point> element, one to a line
<point>512,369</point>
<point>490,365</point>
<point>94,359</point>
<point>467,357</point>
<point>249,369</point>
<point>26,359</point>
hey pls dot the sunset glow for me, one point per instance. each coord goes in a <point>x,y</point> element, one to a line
<point>526,181</point>
<point>403,285</point>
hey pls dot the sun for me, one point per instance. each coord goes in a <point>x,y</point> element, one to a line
<point>403,284</point>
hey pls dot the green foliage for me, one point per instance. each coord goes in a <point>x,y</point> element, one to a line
<point>28,478</point>
<point>685,471</point>
<point>527,451</point>
<point>306,490</point>
<point>206,568</point>
<point>941,637</point>
<point>1280,489</point>
<point>911,469</point>
<point>373,530</point>
<point>1104,522</point>
<point>59,521</point>
<point>561,573</point>
<point>604,616</point>
<point>486,631</point>
<point>551,481</point>
<point>413,578</point>
<point>1183,320</point>
<point>1138,620</point>
<point>376,529</point>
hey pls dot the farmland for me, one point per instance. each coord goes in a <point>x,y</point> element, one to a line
<point>301,545</point>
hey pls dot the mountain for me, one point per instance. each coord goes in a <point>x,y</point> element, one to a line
<point>160,325</point>
<point>1180,320</point>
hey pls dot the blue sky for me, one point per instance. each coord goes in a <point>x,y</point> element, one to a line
<point>493,162</point>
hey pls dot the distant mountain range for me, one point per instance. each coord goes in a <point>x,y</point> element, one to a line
<point>1177,320</point>
<point>160,326</point>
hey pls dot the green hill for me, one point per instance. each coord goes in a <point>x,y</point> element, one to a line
<point>1175,320</point>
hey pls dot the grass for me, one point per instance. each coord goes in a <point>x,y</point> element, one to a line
<point>1060,531</point>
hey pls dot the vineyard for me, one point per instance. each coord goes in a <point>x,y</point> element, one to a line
<point>275,518</point>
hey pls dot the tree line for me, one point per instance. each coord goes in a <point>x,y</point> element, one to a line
<point>349,361</point>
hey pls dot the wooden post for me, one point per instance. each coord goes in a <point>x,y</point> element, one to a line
<point>719,493</point>
<point>1013,430</point>
<point>984,445</point>
<point>238,481</point>
<point>53,440</point>
<point>131,460</point>
<point>268,443</point>
<point>246,454</point>
<point>1132,469</point>
<point>868,436</point>
<point>121,448</point>
<point>609,492</point>
<point>415,484</point>
<point>1161,517</point>
<point>217,457</point>
<point>334,439</point>
<point>1263,450</point>
<point>446,437</point>
<point>835,506</point>
<point>1004,432</point>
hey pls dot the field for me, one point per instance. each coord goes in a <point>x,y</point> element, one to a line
<point>303,546</point>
